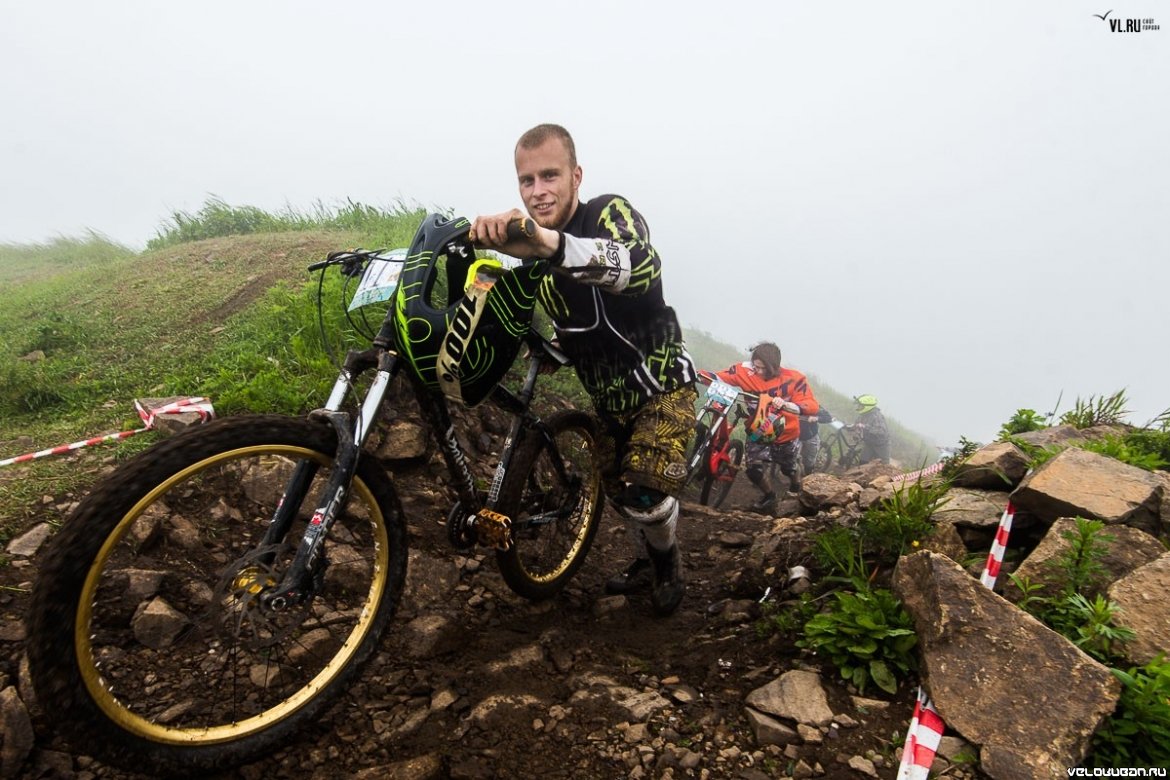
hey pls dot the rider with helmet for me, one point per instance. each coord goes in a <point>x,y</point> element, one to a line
<point>782,394</point>
<point>875,433</point>
<point>606,303</point>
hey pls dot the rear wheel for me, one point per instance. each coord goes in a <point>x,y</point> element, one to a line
<point>824,460</point>
<point>726,477</point>
<point>149,643</point>
<point>552,493</point>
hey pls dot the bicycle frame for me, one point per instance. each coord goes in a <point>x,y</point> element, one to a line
<point>722,398</point>
<point>479,515</point>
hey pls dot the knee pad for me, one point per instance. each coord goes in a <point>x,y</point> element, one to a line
<point>755,472</point>
<point>638,498</point>
<point>656,523</point>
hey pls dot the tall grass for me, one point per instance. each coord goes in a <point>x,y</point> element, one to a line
<point>20,262</point>
<point>217,218</point>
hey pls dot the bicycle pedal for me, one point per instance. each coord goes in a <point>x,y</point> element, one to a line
<point>493,529</point>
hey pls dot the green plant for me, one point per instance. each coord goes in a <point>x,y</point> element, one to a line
<point>1105,410</point>
<point>1089,624</point>
<point>1138,733</point>
<point>786,618</point>
<point>867,635</point>
<point>1030,601</point>
<point>1080,564</point>
<point>951,463</point>
<point>892,525</point>
<point>1143,449</point>
<point>839,551</point>
<point>1023,421</point>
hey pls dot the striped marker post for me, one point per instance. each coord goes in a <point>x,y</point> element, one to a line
<point>998,547</point>
<point>926,731</point>
<point>200,405</point>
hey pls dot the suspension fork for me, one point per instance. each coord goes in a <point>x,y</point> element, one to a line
<point>351,435</point>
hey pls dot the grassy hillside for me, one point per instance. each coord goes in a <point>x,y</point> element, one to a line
<point>214,307</point>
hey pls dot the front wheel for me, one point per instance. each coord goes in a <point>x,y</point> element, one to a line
<point>726,477</point>
<point>552,492</point>
<point>150,645</point>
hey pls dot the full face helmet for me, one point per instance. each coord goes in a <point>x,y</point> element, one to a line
<point>459,320</point>
<point>865,403</point>
<point>767,424</point>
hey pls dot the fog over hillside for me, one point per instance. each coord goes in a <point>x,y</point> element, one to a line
<point>958,208</point>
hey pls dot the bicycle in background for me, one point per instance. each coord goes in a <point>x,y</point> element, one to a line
<point>842,447</point>
<point>716,457</point>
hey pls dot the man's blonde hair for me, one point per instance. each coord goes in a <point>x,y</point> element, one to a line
<point>541,133</point>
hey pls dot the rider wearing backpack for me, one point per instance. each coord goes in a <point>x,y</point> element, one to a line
<point>875,442</point>
<point>773,426</point>
<point>605,300</point>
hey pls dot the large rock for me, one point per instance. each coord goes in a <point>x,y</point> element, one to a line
<point>404,440</point>
<point>821,491</point>
<point>157,623</point>
<point>1144,599</point>
<point>1128,549</point>
<point>1078,483</point>
<point>796,695</point>
<point>16,733</point>
<point>1039,698</point>
<point>27,544</point>
<point>972,508</point>
<point>997,466</point>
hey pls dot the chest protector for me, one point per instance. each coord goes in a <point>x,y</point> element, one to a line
<point>767,424</point>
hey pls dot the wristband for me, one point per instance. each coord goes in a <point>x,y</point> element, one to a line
<point>558,257</point>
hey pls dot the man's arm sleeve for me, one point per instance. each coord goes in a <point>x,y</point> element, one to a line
<point>620,260</point>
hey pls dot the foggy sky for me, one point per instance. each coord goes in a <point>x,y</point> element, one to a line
<point>960,208</point>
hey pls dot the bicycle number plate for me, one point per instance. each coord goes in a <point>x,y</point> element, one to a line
<point>379,279</point>
<point>721,392</point>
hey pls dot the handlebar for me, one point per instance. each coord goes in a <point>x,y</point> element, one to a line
<point>353,262</point>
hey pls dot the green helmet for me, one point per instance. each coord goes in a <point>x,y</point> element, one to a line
<point>865,402</point>
<point>461,330</point>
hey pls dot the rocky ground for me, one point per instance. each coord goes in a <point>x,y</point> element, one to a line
<point>474,682</point>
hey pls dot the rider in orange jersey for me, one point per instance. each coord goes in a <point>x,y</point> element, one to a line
<point>772,440</point>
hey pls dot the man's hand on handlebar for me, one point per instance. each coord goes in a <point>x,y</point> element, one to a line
<point>502,232</point>
<point>785,405</point>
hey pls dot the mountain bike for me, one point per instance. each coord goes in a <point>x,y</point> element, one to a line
<point>842,447</point>
<point>214,594</point>
<point>715,457</point>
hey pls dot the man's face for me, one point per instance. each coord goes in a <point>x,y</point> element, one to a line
<point>548,185</point>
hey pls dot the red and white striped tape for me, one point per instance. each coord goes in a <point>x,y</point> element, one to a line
<point>998,548</point>
<point>200,405</point>
<point>926,731</point>
<point>933,469</point>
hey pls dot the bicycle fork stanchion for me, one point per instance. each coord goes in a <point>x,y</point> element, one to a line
<point>351,435</point>
<point>926,727</point>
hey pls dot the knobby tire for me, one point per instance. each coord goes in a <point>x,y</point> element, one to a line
<point>147,642</point>
<point>735,452</point>
<point>553,520</point>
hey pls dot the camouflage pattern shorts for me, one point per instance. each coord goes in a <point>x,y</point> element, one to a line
<point>648,446</point>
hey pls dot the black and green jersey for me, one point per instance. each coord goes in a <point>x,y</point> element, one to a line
<point>605,300</point>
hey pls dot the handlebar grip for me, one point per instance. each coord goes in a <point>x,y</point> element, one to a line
<point>521,228</point>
